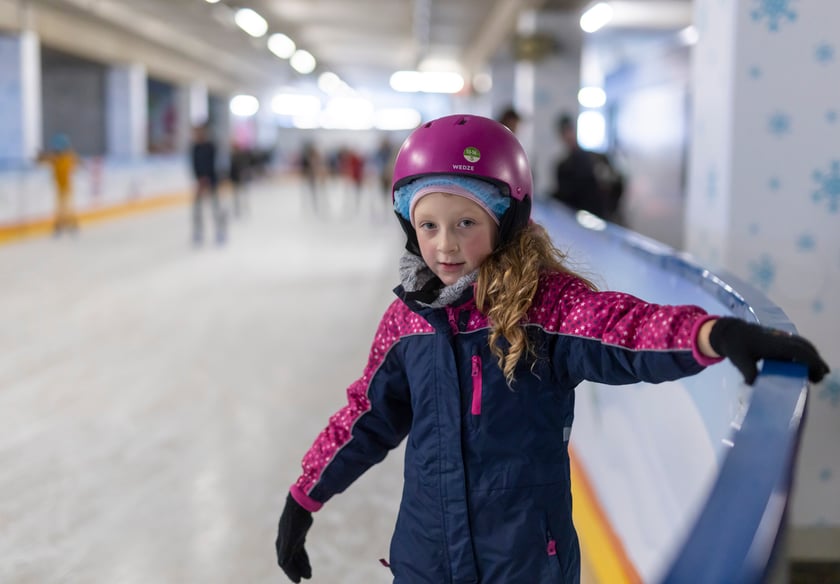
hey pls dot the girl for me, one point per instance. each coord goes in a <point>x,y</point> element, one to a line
<point>476,362</point>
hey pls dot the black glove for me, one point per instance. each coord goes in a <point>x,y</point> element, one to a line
<point>745,343</point>
<point>295,521</point>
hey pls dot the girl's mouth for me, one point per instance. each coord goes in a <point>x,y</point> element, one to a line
<point>450,267</point>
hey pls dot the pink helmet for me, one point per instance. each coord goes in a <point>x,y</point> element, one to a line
<point>471,146</point>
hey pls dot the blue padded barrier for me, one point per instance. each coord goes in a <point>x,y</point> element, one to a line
<point>730,534</point>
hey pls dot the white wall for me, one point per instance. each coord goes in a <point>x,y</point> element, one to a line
<point>764,193</point>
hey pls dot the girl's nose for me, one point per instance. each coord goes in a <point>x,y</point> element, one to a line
<point>447,242</point>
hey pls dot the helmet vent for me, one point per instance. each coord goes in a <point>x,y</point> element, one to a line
<point>427,125</point>
<point>461,122</point>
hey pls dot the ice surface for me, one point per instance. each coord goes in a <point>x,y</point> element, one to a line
<point>156,398</point>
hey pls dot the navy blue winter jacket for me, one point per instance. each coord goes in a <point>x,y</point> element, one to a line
<point>486,497</point>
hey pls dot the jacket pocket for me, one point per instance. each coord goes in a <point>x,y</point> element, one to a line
<point>476,385</point>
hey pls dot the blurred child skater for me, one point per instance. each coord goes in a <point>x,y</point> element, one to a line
<point>476,362</point>
<point>63,160</point>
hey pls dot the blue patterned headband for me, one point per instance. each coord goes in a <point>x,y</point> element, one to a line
<point>485,194</point>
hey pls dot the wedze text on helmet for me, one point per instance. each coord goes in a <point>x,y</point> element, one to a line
<point>463,167</point>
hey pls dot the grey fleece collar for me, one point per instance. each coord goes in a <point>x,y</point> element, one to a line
<point>414,274</point>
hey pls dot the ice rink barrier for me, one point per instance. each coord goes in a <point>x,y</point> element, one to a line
<point>688,481</point>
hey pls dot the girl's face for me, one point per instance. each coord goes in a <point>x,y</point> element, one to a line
<point>455,235</point>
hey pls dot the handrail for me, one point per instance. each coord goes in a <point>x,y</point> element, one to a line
<point>737,528</point>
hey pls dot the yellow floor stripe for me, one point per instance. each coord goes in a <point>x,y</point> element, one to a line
<point>41,227</point>
<point>602,550</point>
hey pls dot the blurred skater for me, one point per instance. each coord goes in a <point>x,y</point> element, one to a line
<point>312,168</point>
<point>240,174</point>
<point>353,170</point>
<point>510,118</point>
<point>63,161</point>
<point>386,154</point>
<point>207,182</point>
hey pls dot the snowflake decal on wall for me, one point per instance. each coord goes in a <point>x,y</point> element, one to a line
<point>830,390</point>
<point>779,124</point>
<point>774,11</point>
<point>762,272</point>
<point>806,242</point>
<point>824,53</point>
<point>829,186</point>
<point>711,184</point>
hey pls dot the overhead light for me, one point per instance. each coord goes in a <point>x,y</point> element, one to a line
<point>596,17</point>
<point>591,130</point>
<point>212,1</point>
<point>397,118</point>
<point>348,113</point>
<point>244,105</point>
<point>296,104</point>
<point>592,97</point>
<point>303,62</point>
<point>406,81</point>
<point>689,35</point>
<point>427,81</point>
<point>441,82</point>
<point>281,45</point>
<point>331,84</point>
<point>482,82</point>
<point>251,22</point>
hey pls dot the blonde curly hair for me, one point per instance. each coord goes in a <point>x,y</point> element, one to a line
<point>505,288</point>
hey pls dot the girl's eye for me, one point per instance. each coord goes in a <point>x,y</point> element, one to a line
<point>426,225</point>
<point>467,223</point>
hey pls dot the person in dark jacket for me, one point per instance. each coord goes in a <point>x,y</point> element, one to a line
<point>510,118</point>
<point>476,362</point>
<point>240,174</point>
<point>575,176</point>
<point>203,157</point>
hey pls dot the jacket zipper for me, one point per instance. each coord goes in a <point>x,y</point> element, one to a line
<point>476,385</point>
<point>453,321</point>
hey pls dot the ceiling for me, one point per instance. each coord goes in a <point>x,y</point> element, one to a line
<point>363,41</point>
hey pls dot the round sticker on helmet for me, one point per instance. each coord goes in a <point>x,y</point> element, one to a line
<point>472,154</point>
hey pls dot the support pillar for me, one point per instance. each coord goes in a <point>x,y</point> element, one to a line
<point>127,111</point>
<point>20,98</point>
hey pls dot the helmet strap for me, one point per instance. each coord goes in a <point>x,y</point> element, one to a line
<point>515,219</point>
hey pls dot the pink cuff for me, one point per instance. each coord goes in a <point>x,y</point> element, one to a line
<point>304,500</point>
<point>695,351</point>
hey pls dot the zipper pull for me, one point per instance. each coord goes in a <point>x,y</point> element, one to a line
<point>551,548</point>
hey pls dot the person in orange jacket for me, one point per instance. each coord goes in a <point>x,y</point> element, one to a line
<point>63,161</point>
